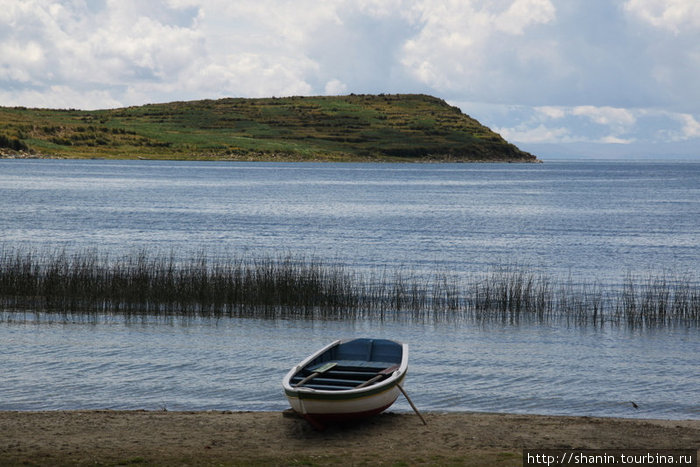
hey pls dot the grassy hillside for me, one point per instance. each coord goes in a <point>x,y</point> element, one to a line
<point>355,127</point>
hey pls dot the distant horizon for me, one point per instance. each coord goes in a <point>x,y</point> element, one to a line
<point>610,151</point>
<point>631,158</point>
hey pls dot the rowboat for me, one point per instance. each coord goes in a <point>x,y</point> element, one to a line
<point>347,379</point>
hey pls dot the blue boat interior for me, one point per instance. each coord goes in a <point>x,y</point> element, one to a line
<point>357,363</point>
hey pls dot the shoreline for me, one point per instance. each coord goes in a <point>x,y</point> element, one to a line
<point>260,157</point>
<point>108,437</point>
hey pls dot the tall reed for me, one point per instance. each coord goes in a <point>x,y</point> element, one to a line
<point>296,287</point>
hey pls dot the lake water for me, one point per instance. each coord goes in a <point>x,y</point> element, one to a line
<point>238,364</point>
<point>594,220</point>
<point>588,220</point>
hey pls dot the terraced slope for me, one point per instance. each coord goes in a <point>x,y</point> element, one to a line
<point>404,127</point>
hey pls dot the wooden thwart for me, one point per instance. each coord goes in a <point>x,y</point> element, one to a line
<point>378,376</point>
<point>319,370</point>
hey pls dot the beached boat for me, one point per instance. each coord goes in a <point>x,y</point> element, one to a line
<point>347,379</point>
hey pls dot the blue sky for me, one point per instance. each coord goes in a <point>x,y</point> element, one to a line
<point>557,77</point>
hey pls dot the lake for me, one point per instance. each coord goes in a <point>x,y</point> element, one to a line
<point>594,220</point>
<point>590,221</point>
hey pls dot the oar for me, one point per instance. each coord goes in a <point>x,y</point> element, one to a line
<point>387,371</point>
<point>412,406</point>
<point>378,376</point>
<point>320,370</point>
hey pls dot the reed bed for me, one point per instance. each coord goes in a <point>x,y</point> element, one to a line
<point>291,286</point>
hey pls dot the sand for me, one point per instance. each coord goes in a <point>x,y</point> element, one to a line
<point>274,438</point>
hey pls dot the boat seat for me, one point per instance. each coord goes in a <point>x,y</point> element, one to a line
<point>326,387</point>
<point>361,365</point>
<point>357,375</point>
<point>350,383</point>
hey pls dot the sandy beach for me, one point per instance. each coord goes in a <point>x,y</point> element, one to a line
<point>275,438</point>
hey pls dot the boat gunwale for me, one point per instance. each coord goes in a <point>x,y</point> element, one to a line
<point>343,394</point>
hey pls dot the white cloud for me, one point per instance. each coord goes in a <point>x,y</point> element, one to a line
<point>551,112</point>
<point>79,49</point>
<point>248,74</point>
<point>609,116</point>
<point>335,87</point>
<point>480,50</point>
<point>29,54</point>
<point>155,50</point>
<point>538,134</point>
<point>590,124</point>
<point>691,127</point>
<point>523,13</point>
<point>674,15</point>
<point>610,139</point>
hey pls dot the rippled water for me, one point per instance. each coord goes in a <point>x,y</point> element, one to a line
<point>588,220</point>
<point>592,220</point>
<point>238,364</point>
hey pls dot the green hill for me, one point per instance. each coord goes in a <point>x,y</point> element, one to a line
<point>344,128</point>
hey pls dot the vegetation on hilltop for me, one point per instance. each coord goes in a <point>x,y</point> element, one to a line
<point>402,127</point>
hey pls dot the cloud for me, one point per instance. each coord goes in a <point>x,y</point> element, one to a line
<point>668,34</point>
<point>552,112</point>
<point>690,128</point>
<point>249,74</point>
<point>523,13</point>
<point>524,52</point>
<point>126,50</point>
<point>93,51</point>
<point>475,48</point>
<point>673,15</point>
<point>590,124</point>
<point>30,54</point>
<point>618,119</point>
<point>335,87</point>
<point>538,134</point>
<point>564,54</point>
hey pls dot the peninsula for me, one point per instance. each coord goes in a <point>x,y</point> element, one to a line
<point>399,127</point>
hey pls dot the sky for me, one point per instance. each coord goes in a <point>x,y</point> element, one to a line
<point>555,77</point>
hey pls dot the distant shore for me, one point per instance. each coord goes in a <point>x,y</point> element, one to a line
<point>273,438</point>
<point>351,128</point>
<point>268,157</point>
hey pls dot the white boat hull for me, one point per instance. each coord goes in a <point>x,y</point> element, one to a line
<point>319,405</point>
